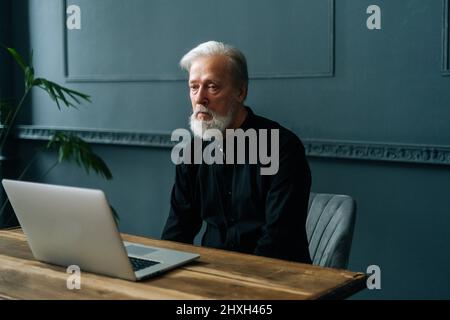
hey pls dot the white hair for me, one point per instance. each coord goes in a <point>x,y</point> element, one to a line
<point>237,59</point>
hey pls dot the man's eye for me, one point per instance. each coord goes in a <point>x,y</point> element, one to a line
<point>194,88</point>
<point>212,87</point>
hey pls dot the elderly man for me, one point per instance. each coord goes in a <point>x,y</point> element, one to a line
<point>244,210</point>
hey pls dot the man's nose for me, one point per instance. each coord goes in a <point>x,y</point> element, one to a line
<point>202,97</point>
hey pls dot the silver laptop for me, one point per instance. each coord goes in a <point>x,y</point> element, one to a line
<point>75,226</point>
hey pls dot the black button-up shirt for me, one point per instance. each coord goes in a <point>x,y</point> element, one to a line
<point>244,210</point>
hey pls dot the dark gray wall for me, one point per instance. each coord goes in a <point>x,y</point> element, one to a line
<point>378,100</point>
<point>5,71</point>
<point>5,39</point>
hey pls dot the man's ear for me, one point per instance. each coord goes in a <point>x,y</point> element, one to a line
<point>242,93</point>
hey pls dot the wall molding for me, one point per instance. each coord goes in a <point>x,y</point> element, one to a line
<point>445,39</point>
<point>108,137</point>
<point>357,150</point>
<point>407,153</point>
<point>175,78</point>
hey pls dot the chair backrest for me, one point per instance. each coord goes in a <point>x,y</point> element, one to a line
<point>329,227</point>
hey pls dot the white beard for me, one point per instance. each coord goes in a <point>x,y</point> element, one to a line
<point>200,127</point>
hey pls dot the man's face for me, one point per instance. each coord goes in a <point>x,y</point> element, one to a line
<point>211,86</point>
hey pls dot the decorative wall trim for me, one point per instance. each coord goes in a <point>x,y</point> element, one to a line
<point>173,78</point>
<point>445,39</point>
<point>109,137</point>
<point>407,153</point>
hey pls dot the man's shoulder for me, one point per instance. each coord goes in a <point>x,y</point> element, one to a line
<point>287,137</point>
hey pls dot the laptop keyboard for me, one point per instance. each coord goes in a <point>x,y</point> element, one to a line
<point>139,264</point>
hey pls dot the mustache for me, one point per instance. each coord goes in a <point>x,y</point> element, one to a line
<point>201,108</point>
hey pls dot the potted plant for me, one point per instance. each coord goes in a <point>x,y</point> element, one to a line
<point>68,147</point>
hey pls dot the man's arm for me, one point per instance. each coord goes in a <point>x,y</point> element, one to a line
<point>284,234</point>
<point>184,221</point>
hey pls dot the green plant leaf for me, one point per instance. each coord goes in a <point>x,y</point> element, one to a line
<point>60,94</point>
<point>68,147</point>
<point>77,93</point>
<point>73,148</point>
<point>74,97</point>
<point>18,58</point>
<point>29,77</point>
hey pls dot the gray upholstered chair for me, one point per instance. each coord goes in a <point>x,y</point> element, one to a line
<point>329,227</point>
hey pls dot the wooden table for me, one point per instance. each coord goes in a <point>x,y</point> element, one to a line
<point>217,274</point>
